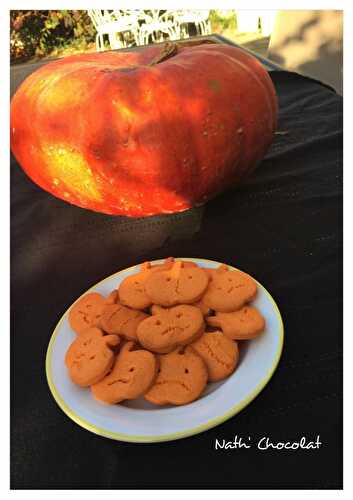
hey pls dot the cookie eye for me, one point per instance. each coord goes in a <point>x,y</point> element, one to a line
<point>230,280</point>
<point>132,369</point>
<point>190,277</point>
<point>158,322</point>
<point>179,315</point>
<point>169,278</point>
<point>186,370</point>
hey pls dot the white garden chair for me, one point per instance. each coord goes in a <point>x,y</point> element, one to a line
<point>199,18</point>
<point>156,26</point>
<point>115,26</point>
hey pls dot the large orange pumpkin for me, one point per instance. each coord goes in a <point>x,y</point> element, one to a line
<point>141,133</point>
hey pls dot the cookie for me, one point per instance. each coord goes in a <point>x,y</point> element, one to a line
<point>90,357</point>
<point>178,285</point>
<point>113,297</point>
<point>228,290</point>
<point>86,312</point>
<point>219,353</point>
<point>168,328</point>
<point>246,323</point>
<point>133,373</point>
<point>181,378</point>
<point>132,289</point>
<point>120,320</point>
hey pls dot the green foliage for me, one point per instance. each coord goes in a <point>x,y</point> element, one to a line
<point>37,33</point>
<point>222,20</point>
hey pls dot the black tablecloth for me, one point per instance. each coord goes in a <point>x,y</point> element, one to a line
<point>284,226</point>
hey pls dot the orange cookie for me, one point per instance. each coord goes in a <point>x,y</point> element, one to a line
<point>228,290</point>
<point>86,312</point>
<point>132,289</point>
<point>181,379</point>
<point>171,327</point>
<point>113,297</point>
<point>132,375</point>
<point>246,323</point>
<point>121,320</point>
<point>89,357</point>
<point>178,285</point>
<point>219,353</point>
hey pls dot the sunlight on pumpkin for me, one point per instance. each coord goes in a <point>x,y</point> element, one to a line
<point>69,167</point>
<point>125,112</point>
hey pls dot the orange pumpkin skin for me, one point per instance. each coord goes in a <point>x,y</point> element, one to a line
<point>113,133</point>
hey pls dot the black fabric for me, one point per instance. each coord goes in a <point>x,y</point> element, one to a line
<point>284,226</point>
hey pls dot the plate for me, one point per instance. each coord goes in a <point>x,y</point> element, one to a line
<point>141,422</point>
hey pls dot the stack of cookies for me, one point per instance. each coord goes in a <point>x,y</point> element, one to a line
<point>163,334</point>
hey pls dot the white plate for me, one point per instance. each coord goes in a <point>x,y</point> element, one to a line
<point>140,421</point>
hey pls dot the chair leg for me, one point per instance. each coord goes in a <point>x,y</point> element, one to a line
<point>97,43</point>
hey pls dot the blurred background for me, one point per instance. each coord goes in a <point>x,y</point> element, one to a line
<point>309,42</point>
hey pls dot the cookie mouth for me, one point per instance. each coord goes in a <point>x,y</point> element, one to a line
<point>177,383</point>
<point>121,380</point>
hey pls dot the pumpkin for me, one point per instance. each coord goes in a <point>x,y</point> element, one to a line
<point>145,132</point>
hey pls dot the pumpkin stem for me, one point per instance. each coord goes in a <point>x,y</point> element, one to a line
<point>170,49</point>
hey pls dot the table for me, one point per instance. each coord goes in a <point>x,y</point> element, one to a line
<point>283,225</point>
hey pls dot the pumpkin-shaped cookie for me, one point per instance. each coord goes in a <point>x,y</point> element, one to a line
<point>246,323</point>
<point>120,320</point>
<point>228,290</point>
<point>171,327</point>
<point>181,378</point>
<point>181,284</point>
<point>133,374</point>
<point>86,312</point>
<point>132,291</point>
<point>219,353</point>
<point>89,357</point>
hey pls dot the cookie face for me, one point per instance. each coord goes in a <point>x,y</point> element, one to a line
<point>132,375</point>
<point>89,357</point>
<point>179,285</point>
<point>181,378</point>
<point>219,353</point>
<point>228,290</point>
<point>246,323</point>
<point>120,320</point>
<point>168,328</point>
<point>86,312</point>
